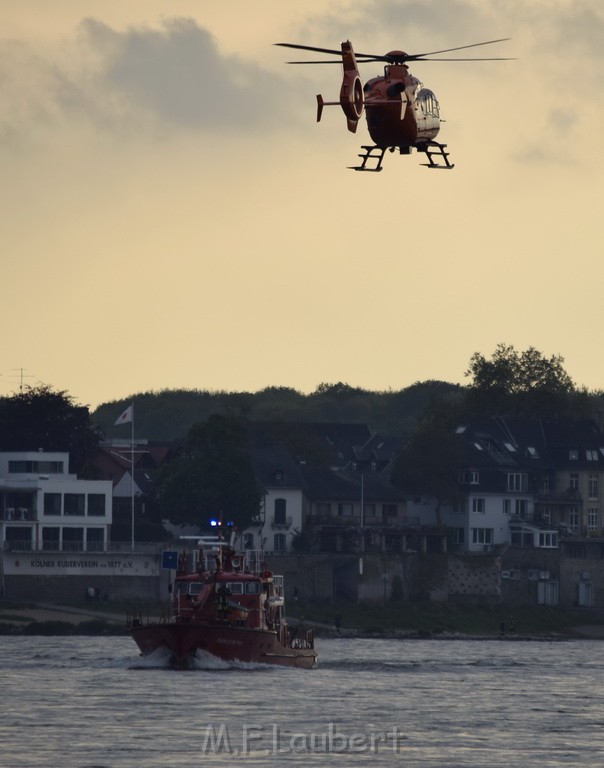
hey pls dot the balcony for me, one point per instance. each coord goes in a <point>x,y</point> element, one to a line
<point>569,496</point>
<point>281,522</point>
<point>18,514</point>
<point>115,547</point>
<point>354,521</point>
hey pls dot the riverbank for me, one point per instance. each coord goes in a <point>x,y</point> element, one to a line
<point>449,620</point>
<point>365,620</point>
<point>46,619</point>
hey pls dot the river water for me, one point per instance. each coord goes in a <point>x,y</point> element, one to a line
<point>93,703</point>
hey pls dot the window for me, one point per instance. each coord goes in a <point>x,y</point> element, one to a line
<point>323,508</point>
<point>74,503</point>
<point>345,509</point>
<point>573,482</point>
<point>593,488</point>
<point>279,542</point>
<point>482,535</point>
<point>389,510</point>
<point>521,508</point>
<point>280,506</point>
<point>96,504</point>
<point>478,506</point>
<point>52,503</point>
<point>234,587</point>
<point>95,539</point>
<point>546,515</point>
<point>548,539</point>
<point>368,510</point>
<point>50,538</point>
<point>591,455</point>
<point>73,539</point>
<point>470,476</point>
<point>460,535</point>
<point>593,518</point>
<point>507,506</point>
<point>573,455</point>
<point>35,467</point>
<point>573,519</point>
<point>517,481</point>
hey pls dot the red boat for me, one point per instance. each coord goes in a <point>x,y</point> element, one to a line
<point>228,605</point>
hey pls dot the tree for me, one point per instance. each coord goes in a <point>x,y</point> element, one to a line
<point>213,474</point>
<point>429,464</point>
<point>527,383</point>
<point>40,418</point>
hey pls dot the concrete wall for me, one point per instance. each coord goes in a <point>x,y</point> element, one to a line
<point>527,576</point>
<point>72,589</point>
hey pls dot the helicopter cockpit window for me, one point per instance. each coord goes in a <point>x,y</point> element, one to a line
<point>428,103</point>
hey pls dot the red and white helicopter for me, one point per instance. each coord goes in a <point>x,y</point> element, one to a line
<point>401,114</point>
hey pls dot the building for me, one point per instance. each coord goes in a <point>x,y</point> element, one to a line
<point>45,508</point>
<point>527,483</point>
<point>282,484</point>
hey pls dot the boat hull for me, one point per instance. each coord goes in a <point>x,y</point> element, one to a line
<point>229,643</point>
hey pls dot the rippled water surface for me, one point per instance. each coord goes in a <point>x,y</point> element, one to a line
<point>93,703</point>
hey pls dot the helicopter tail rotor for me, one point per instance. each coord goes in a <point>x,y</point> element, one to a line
<point>351,93</point>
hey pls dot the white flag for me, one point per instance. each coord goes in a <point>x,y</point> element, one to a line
<point>126,416</point>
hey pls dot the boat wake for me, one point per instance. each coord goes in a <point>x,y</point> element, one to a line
<point>206,661</point>
<point>159,659</point>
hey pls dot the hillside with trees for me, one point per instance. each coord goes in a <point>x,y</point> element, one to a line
<point>170,414</point>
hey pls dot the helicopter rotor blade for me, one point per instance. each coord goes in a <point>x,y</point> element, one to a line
<point>414,56</point>
<point>335,52</point>
<point>364,58</point>
<point>309,48</point>
<point>335,61</point>
<point>489,59</point>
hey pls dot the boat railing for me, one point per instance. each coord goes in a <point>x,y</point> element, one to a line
<point>138,618</point>
<point>253,561</point>
<point>301,639</point>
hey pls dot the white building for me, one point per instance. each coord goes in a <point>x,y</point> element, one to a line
<point>45,508</point>
<point>282,519</point>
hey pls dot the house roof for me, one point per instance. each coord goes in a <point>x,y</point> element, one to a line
<point>340,485</point>
<point>532,444</point>
<point>275,468</point>
<point>342,439</point>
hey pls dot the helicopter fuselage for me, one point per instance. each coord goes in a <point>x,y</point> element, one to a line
<point>400,112</point>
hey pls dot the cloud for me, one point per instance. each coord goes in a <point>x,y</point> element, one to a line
<point>169,78</point>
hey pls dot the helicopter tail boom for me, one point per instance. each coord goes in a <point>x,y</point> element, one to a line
<point>351,92</point>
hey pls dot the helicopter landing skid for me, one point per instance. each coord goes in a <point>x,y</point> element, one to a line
<point>372,153</point>
<point>431,148</point>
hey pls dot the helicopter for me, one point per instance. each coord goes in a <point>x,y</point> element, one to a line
<point>401,113</point>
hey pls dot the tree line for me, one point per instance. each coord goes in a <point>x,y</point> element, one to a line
<point>212,471</point>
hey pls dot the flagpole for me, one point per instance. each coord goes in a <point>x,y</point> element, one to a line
<point>132,477</point>
<point>128,416</point>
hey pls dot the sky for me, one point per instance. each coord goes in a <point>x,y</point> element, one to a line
<point>172,216</point>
